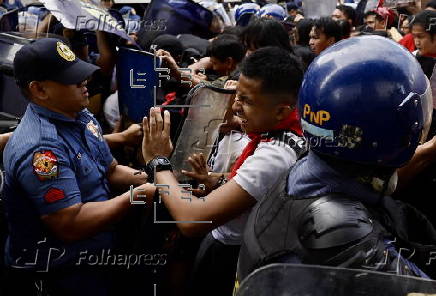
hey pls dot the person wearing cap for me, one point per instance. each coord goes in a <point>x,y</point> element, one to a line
<point>274,11</point>
<point>58,171</point>
<point>244,12</point>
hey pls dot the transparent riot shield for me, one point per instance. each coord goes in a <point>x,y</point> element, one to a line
<point>313,280</point>
<point>316,9</point>
<point>207,109</point>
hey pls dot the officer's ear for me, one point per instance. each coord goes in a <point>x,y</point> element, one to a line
<point>37,90</point>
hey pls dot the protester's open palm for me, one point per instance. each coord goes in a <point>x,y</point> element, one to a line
<point>156,141</point>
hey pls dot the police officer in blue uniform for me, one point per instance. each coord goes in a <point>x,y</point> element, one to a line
<point>58,171</point>
<point>363,113</point>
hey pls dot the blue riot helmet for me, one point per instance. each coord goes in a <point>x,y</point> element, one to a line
<point>365,100</point>
<point>244,13</point>
<point>273,10</point>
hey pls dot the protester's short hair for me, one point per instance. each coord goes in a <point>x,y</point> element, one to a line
<point>265,32</point>
<point>368,13</point>
<point>232,30</point>
<point>427,19</point>
<point>226,46</point>
<point>431,4</point>
<point>348,11</point>
<point>329,27</point>
<point>280,72</point>
<point>372,12</point>
<point>345,28</point>
<point>303,29</point>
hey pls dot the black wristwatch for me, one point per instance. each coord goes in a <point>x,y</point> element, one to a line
<point>157,164</point>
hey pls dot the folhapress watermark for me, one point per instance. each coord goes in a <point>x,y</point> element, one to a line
<point>107,258</point>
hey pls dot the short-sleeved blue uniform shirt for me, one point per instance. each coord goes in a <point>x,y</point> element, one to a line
<point>52,162</point>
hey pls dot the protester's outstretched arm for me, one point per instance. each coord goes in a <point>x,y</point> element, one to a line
<point>194,78</point>
<point>218,207</point>
<point>44,25</point>
<point>425,155</point>
<point>108,53</point>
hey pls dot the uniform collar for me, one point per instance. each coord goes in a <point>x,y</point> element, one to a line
<point>55,115</point>
<point>317,176</point>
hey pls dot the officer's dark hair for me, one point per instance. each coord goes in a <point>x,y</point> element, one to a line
<point>329,27</point>
<point>348,11</point>
<point>280,72</point>
<point>431,4</point>
<point>303,29</point>
<point>226,46</point>
<point>24,88</point>
<point>426,19</point>
<point>264,32</point>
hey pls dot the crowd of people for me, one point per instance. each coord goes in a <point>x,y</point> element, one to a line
<point>326,155</point>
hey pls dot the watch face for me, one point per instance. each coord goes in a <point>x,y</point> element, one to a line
<point>163,161</point>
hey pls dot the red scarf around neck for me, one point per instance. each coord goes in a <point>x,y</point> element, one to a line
<point>291,123</point>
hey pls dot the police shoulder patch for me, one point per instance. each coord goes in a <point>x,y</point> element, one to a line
<point>53,195</point>
<point>45,165</point>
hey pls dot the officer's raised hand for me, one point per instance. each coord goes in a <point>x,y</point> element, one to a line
<point>156,141</point>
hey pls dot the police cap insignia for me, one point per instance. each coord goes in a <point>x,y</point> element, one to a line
<point>45,165</point>
<point>65,52</point>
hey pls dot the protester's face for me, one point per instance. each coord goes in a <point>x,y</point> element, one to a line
<point>318,41</point>
<point>380,24</point>
<point>67,99</point>
<point>222,68</point>
<point>405,26</point>
<point>423,41</point>
<point>370,21</point>
<point>255,109</point>
<point>293,12</point>
<point>338,15</point>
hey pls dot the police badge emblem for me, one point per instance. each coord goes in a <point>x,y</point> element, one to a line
<point>93,128</point>
<point>45,165</point>
<point>65,52</point>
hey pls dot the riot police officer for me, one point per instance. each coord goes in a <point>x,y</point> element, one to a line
<point>363,113</point>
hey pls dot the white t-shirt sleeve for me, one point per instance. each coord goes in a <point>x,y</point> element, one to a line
<point>262,170</point>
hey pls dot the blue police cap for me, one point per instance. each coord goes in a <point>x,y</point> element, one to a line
<point>50,59</point>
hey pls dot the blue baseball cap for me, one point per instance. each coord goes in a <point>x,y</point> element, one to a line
<point>50,59</point>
